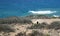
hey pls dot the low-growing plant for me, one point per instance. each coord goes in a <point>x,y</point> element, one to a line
<point>15,20</point>
<point>37,33</point>
<point>6,28</point>
<point>54,25</point>
<point>20,34</point>
<point>38,26</point>
<point>34,33</point>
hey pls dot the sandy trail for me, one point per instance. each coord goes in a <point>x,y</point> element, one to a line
<point>44,20</point>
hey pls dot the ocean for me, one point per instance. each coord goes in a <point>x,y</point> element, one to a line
<point>22,7</point>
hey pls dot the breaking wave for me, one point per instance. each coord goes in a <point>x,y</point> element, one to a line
<point>42,12</point>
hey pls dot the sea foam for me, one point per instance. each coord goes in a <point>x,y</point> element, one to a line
<point>42,12</point>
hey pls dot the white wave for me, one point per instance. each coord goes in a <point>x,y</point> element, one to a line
<point>42,12</point>
<point>55,15</point>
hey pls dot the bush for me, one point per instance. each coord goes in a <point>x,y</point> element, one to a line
<point>15,20</point>
<point>36,33</point>
<point>20,34</point>
<point>25,21</point>
<point>44,24</point>
<point>55,25</point>
<point>8,21</point>
<point>38,26</point>
<point>6,28</point>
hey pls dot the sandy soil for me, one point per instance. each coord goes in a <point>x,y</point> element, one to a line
<point>44,20</point>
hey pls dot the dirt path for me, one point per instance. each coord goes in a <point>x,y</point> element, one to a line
<point>44,20</point>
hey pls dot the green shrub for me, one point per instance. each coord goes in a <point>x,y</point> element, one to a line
<point>6,28</point>
<point>20,34</point>
<point>55,25</point>
<point>38,26</point>
<point>25,21</point>
<point>36,33</point>
<point>15,20</point>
